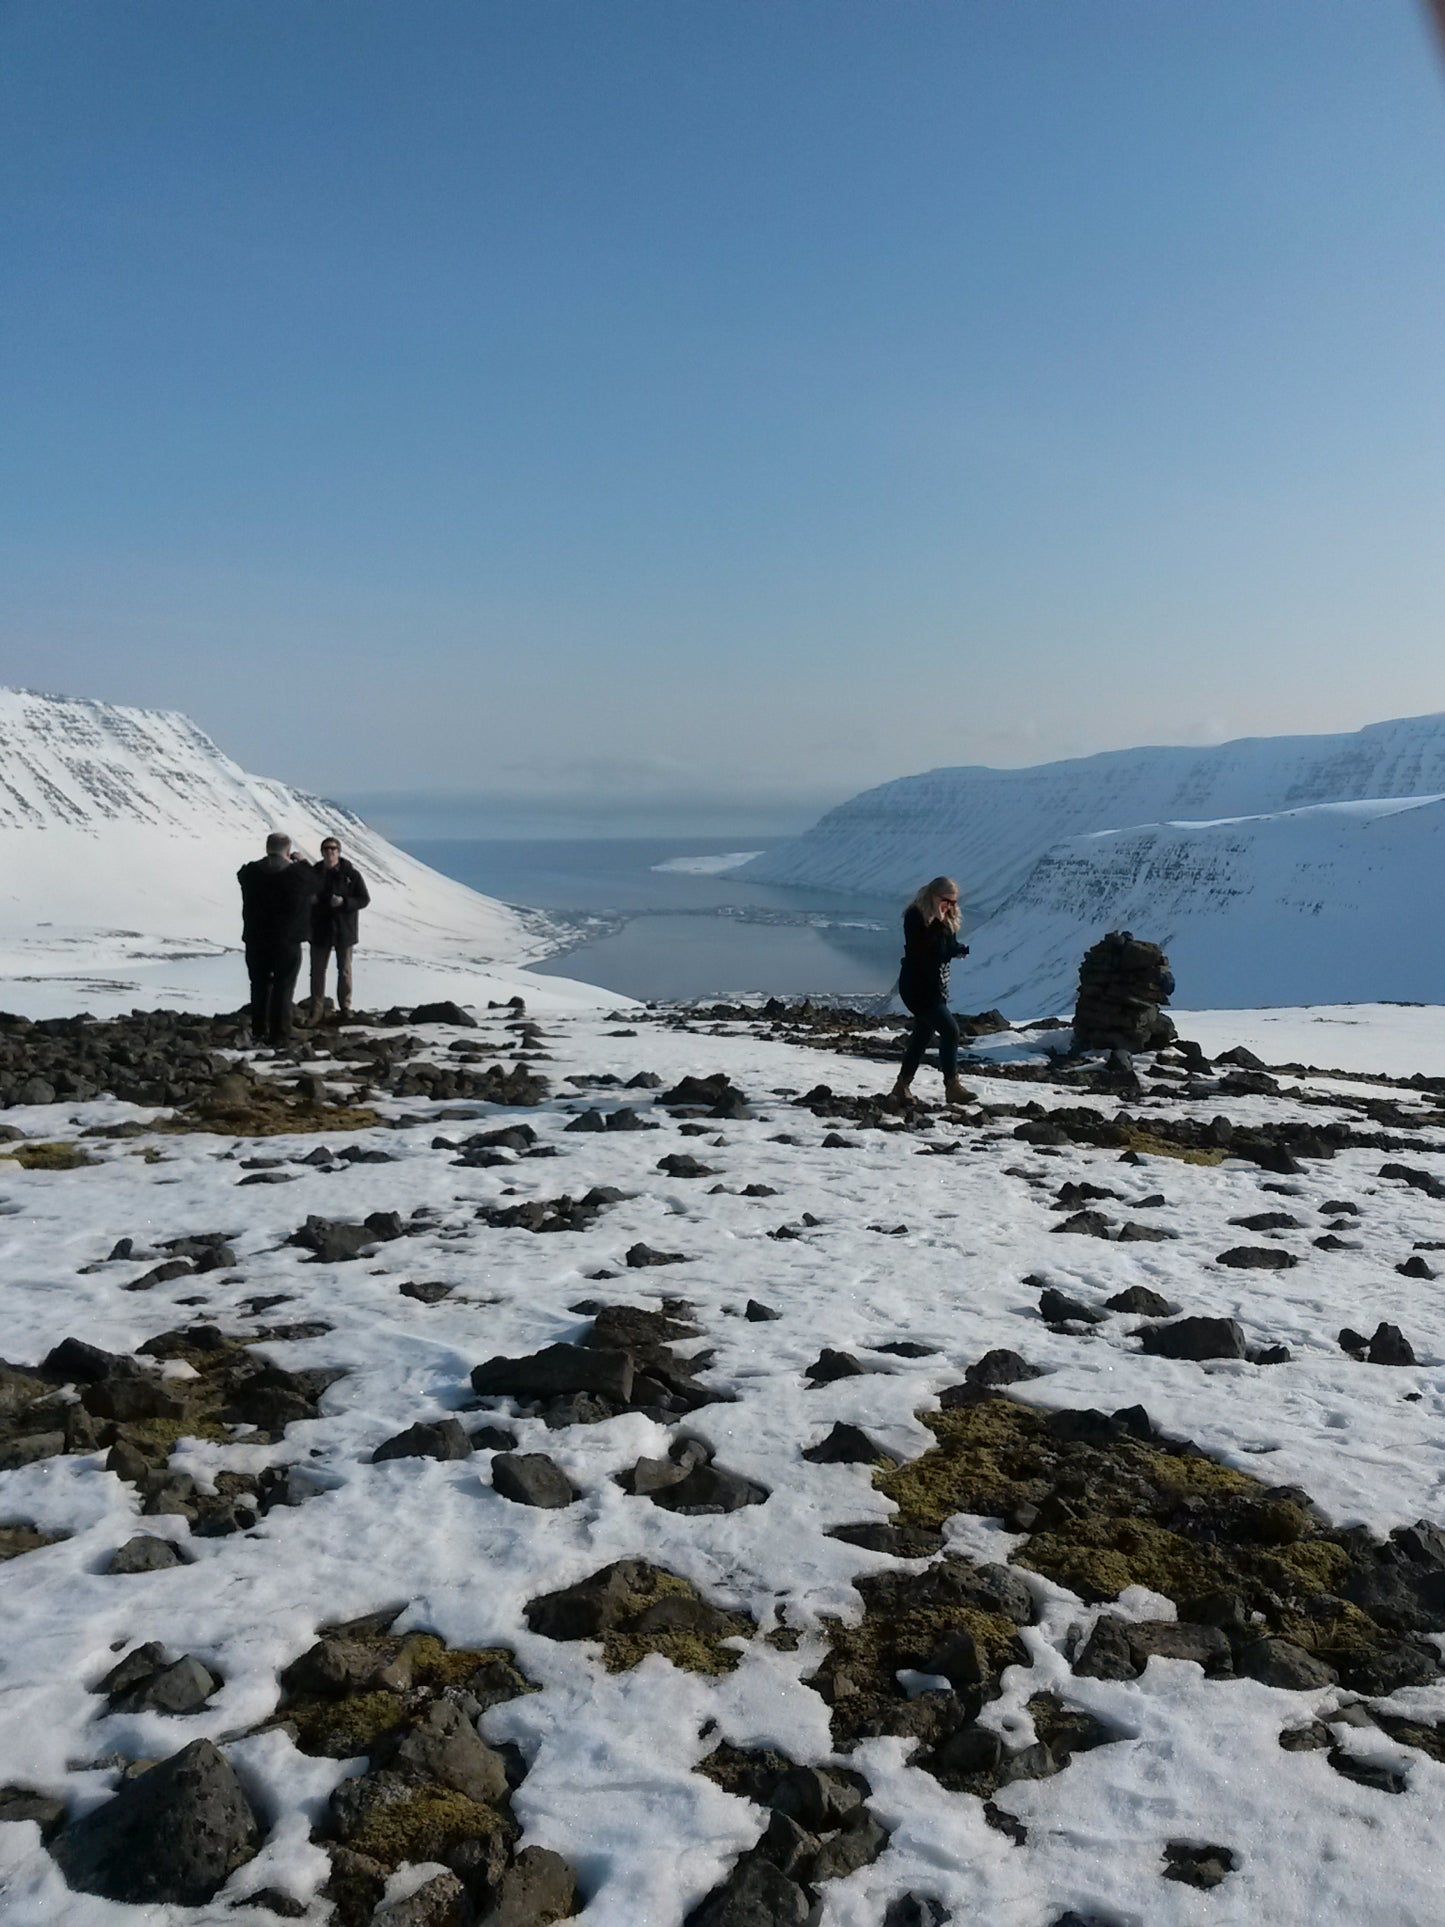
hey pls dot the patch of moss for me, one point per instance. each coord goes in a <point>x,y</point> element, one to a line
<point>1108,1555</point>
<point>1133,1137</point>
<point>1114,1512</point>
<point>989,1457</point>
<point>158,1437</point>
<point>433,1663</point>
<point>423,1825</point>
<point>50,1157</point>
<point>693,1652</point>
<point>268,1120</point>
<point>19,1539</point>
<point>342,1729</point>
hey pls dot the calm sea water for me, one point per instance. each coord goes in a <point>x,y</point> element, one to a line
<point>667,934</point>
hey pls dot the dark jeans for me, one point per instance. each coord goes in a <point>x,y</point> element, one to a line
<point>934,1017</point>
<point>273,970</point>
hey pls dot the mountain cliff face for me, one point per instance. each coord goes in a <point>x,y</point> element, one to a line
<point>1327,905</point>
<point>121,831</point>
<point>989,827</point>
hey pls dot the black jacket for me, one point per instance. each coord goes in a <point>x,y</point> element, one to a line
<point>334,926</point>
<point>275,902</point>
<point>928,949</point>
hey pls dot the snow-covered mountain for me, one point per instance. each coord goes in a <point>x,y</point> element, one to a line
<point>989,827</point>
<point>1334,904</point>
<point>121,831</point>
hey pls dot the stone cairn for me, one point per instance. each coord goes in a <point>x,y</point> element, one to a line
<point>1123,982</point>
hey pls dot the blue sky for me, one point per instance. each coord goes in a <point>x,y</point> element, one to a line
<point>702,409</point>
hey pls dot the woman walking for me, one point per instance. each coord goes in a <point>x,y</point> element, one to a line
<point>930,943</point>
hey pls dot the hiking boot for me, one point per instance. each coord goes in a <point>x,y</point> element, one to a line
<point>901,1094</point>
<point>955,1095</point>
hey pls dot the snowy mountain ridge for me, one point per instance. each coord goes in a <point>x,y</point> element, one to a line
<point>989,827</point>
<point>1321,905</point>
<point>121,831</point>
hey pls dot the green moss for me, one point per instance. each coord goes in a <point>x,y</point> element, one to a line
<point>989,1457</point>
<point>278,1119</point>
<point>158,1437</point>
<point>1133,1137</point>
<point>433,1663</point>
<point>50,1157</point>
<point>693,1652</point>
<point>423,1825</point>
<point>1106,1555</point>
<point>342,1729</point>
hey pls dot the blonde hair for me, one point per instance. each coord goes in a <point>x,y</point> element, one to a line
<point>930,905</point>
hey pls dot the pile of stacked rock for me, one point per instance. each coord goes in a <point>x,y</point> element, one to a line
<point>1123,981</point>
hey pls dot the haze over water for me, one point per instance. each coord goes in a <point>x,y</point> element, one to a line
<point>670,934</point>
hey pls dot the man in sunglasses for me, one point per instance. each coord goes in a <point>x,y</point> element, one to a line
<point>335,920</point>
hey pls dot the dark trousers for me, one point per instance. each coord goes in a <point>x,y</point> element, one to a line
<point>273,970</point>
<point>931,1018</point>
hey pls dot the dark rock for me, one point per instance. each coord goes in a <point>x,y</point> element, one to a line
<point>557,1370</point>
<point>1001,1367</point>
<point>845,1445</point>
<point>531,1478</point>
<point>172,1835</point>
<point>587,1121</point>
<point>430,1439</point>
<point>22,1803</point>
<point>144,1553</point>
<point>1197,1338</point>
<point>758,1314</point>
<point>1353,1342</point>
<point>536,1890</point>
<point>1142,1302</point>
<point>332,1242</point>
<point>831,1365</point>
<point>755,1894</point>
<point>857,1843</point>
<point>916,1910</point>
<point>441,1901</point>
<point>1389,1346</point>
<point>1087,1224</point>
<point>1269,1354</point>
<point>145,1681</point>
<point>425,1292</point>
<point>1279,1662</point>
<point>1416,1267</point>
<point>641,1256</point>
<point>1268,1221</point>
<point>1121,1648</point>
<point>1197,1864</point>
<point>709,1489</point>
<point>74,1361</point>
<point>1257,1258</point>
<point>1313,1738</point>
<point>445,1012</point>
<point>1370,1773</point>
<point>1057,1308</point>
<point>443,1747</point>
<point>1131,1233</point>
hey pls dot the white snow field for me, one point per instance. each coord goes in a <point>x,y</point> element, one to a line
<point>945,1251</point>
<point>988,827</point>
<point>1323,905</point>
<point>121,831</point>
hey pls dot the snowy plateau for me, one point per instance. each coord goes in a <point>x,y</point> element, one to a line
<point>1273,870</point>
<point>611,1467</point>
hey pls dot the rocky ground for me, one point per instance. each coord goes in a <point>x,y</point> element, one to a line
<point>638,1477</point>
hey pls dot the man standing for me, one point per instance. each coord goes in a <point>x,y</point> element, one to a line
<point>335,920</point>
<point>276,896</point>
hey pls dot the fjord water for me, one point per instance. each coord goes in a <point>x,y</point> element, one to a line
<point>671,934</point>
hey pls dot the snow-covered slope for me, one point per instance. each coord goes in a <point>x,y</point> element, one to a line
<point>988,827</point>
<point>1328,905</point>
<point>121,831</point>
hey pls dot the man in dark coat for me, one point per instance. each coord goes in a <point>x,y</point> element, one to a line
<point>341,894</point>
<point>276,896</point>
